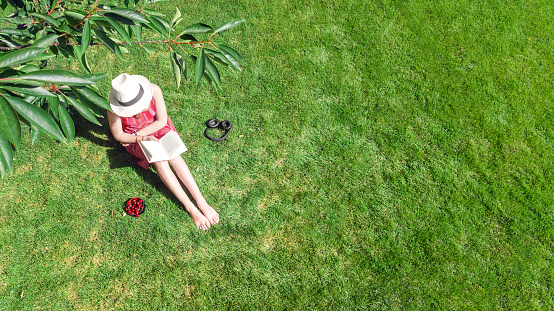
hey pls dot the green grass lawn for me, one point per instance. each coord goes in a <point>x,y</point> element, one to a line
<point>388,155</point>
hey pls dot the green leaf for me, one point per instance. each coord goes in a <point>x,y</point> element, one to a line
<point>45,41</point>
<point>70,30</point>
<point>207,77</point>
<point>36,134</point>
<point>9,123</point>
<point>40,34</point>
<point>19,17</point>
<point>66,123</point>
<point>230,24</point>
<point>101,22</point>
<point>231,55</point>
<point>8,41</point>
<point>158,26</point>
<point>176,18</point>
<point>154,1</point>
<point>43,57</point>
<point>163,21</point>
<point>12,32</point>
<point>38,91</point>
<point>55,76</point>
<point>96,111</point>
<point>198,28</point>
<point>213,73</point>
<point>188,37</point>
<point>83,110</point>
<point>74,15</point>
<point>120,19</point>
<point>176,70</point>
<point>94,77</point>
<point>92,96</point>
<point>6,155</point>
<point>178,65</point>
<point>29,68</point>
<point>152,12</point>
<point>200,65</point>
<point>147,48</point>
<point>184,70</point>
<point>227,50</point>
<point>2,169</point>
<point>37,117</point>
<point>108,42</point>
<point>218,56</point>
<point>137,29</point>
<point>53,104</point>
<point>13,81</point>
<point>83,61</point>
<point>17,57</point>
<point>122,32</point>
<point>128,13</point>
<point>47,18</point>
<point>85,38</point>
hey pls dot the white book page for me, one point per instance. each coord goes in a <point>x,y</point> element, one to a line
<point>172,144</point>
<point>167,148</point>
<point>154,151</point>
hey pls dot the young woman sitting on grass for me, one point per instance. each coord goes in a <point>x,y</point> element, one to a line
<point>139,114</point>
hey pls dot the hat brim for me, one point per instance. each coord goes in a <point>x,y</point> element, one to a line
<point>142,104</point>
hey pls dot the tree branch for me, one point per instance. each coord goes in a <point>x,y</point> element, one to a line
<point>9,48</point>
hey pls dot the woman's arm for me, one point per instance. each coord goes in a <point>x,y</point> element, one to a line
<point>161,113</point>
<point>117,131</point>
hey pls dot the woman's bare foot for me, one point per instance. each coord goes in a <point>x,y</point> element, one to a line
<point>200,221</point>
<point>209,212</point>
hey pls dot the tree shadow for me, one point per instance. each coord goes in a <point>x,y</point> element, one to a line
<point>119,157</point>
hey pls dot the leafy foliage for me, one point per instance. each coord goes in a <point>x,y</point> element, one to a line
<point>32,92</point>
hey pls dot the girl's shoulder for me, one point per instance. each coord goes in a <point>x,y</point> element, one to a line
<point>112,115</point>
<point>156,89</point>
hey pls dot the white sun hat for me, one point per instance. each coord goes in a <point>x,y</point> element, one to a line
<point>130,95</point>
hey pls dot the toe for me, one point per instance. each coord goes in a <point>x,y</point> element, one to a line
<point>203,225</point>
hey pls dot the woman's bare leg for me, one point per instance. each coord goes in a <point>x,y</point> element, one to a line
<point>169,179</point>
<point>182,170</point>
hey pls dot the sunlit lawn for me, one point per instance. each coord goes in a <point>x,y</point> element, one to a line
<point>384,155</point>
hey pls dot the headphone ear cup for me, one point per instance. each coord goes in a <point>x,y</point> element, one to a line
<point>225,125</point>
<point>212,123</point>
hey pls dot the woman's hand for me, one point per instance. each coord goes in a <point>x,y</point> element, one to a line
<point>149,138</point>
<point>142,138</point>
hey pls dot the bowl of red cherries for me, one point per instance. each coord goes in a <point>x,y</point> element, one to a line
<point>134,207</point>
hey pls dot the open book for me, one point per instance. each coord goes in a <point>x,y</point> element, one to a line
<point>169,147</point>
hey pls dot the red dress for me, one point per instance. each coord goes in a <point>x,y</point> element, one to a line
<point>132,124</point>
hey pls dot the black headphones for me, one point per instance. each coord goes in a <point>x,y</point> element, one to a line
<point>214,123</point>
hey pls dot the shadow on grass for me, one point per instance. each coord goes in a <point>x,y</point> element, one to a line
<point>119,157</point>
